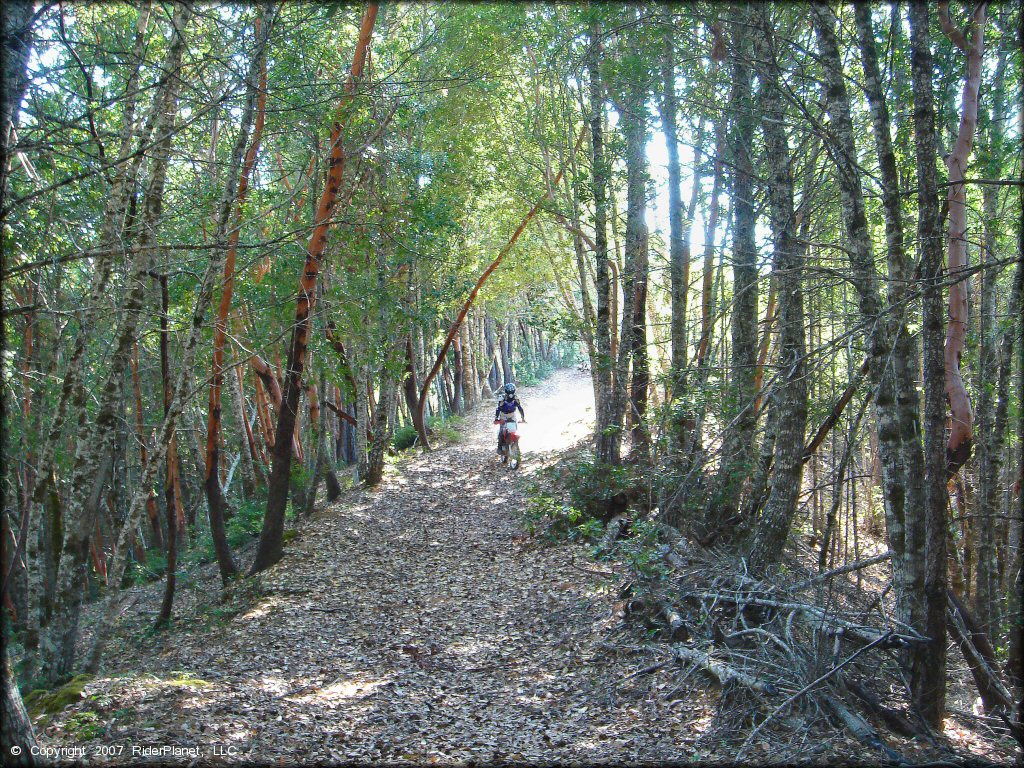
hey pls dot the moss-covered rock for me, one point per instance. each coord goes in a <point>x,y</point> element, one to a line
<point>50,702</point>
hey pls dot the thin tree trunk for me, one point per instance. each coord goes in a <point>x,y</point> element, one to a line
<point>790,395</point>
<point>737,447</point>
<point>269,550</point>
<point>257,102</point>
<point>95,441</point>
<point>633,338</point>
<point>961,438</point>
<point>180,390</point>
<point>171,497</point>
<point>603,432</point>
<point>151,509</point>
<point>928,671</point>
<point>1015,604</point>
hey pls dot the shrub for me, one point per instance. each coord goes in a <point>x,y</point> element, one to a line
<point>554,520</point>
<point>603,491</point>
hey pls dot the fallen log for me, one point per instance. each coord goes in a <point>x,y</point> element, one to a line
<point>722,672</point>
<point>611,533</point>
<point>896,721</point>
<point>860,729</point>
<point>677,629</point>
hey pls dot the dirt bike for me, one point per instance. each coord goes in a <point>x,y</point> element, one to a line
<point>510,453</point>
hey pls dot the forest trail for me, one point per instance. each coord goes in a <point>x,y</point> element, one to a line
<point>417,622</point>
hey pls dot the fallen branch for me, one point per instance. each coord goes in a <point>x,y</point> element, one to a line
<point>896,721</point>
<point>723,672</point>
<point>849,568</point>
<point>972,645</point>
<point>862,633</point>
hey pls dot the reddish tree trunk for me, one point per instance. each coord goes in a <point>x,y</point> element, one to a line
<point>961,437</point>
<point>270,545</point>
<point>214,495</point>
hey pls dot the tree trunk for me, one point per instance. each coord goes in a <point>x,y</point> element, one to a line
<point>890,360</point>
<point>457,383</point>
<point>411,391</point>
<point>111,235</point>
<point>269,550</point>
<point>961,438</point>
<point>633,338</point>
<point>16,46</point>
<point>737,447</point>
<point>928,670</point>
<point>172,500</point>
<point>384,421</point>
<point>257,100</point>
<point>1015,604</point>
<point>95,441</point>
<point>606,439</point>
<point>15,726</point>
<point>151,508</point>
<point>707,301</point>
<point>790,393</point>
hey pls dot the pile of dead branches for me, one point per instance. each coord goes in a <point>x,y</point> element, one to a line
<point>789,653</point>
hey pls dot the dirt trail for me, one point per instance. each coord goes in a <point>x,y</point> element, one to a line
<point>413,622</point>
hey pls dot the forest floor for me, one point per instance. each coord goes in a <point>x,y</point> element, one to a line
<point>414,622</point>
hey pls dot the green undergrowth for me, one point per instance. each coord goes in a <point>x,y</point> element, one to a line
<point>444,430</point>
<point>575,499</point>
<point>243,527</point>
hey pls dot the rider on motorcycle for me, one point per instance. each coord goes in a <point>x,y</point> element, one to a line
<point>506,408</point>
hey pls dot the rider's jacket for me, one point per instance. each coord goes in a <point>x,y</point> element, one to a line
<point>508,406</point>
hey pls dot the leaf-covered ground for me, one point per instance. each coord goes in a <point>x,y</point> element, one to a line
<point>418,623</point>
<point>414,622</point>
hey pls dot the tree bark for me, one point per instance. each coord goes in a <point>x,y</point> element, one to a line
<point>633,337</point>
<point>269,549</point>
<point>928,670</point>
<point>790,394</point>
<point>256,102</point>
<point>605,437</point>
<point>15,726</point>
<point>17,45</point>
<point>738,443</point>
<point>95,441</point>
<point>961,437</point>
<point>172,499</point>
